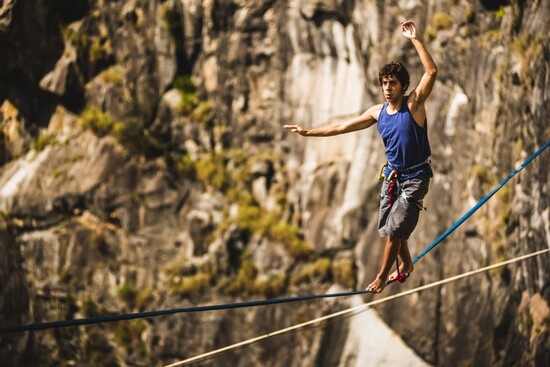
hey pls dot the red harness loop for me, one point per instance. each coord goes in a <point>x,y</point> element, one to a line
<point>392,187</point>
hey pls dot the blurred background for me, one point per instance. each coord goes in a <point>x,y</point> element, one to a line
<point>143,166</point>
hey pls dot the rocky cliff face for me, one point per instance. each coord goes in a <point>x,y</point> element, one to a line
<point>144,167</point>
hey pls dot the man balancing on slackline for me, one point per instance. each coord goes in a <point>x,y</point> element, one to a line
<point>402,124</point>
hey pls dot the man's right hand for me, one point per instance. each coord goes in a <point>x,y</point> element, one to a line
<point>296,129</point>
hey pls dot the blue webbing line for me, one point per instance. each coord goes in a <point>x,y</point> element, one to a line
<point>480,203</point>
<point>138,315</point>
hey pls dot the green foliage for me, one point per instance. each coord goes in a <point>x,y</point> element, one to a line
<point>113,75</point>
<point>188,102</point>
<point>127,335</point>
<point>131,134</point>
<point>244,281</point>
<point>320,270</point>
<point>127,294</point>
<point>43,140</point>
<point>94,119</point>
<point>442,21</point>
<point>95,51</point>
<point>483,175</point>
<point>230,172</point>
<point>239,168</point>
<point>289,235</point>
<point>211,170</point>
<point>430,33</point>
<point>172,22</point>
<point>78,39</point>
<point>97,47</point>
<point>59,171</point>
<point>189,95</point>
<point>250,218</point>
<point>518,148</point>
<point>136,139</point>
<point>272,286</point>
<point>187,166</point>
<point>143,297</point>
<point>198,110</point>
<point>191,284</point>
<point>501,12</point>
<point>203,112</point>
<point>491,36</point>
<point>184,84</point>
<point>529,47</point>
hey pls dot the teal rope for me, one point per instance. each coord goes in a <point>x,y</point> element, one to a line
<point>139,315</point>
<point>481,203</point>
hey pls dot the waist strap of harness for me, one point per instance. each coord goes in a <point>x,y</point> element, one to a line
<point>395,172</point>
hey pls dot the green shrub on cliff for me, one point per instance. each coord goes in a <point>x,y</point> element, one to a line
<point>188,92</point>
<point>270,286</point>
<point>211,170</point>
<point>172,22</point>
<point>442,20</point>
<point>319,269</point>
<point>101,124</point>
<point>191,284</point>
<point>131,134</point>
<point>43,140</point>
<point>243,282</point>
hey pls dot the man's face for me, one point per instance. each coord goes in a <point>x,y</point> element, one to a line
<point>392,88</point>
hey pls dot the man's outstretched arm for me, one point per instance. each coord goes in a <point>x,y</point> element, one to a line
<point>424,88</point>
<point>367,119</point>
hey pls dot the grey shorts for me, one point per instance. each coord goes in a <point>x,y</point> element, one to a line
<point>401,219</point>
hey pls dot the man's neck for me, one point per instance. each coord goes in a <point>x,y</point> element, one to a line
<point>394,106</point>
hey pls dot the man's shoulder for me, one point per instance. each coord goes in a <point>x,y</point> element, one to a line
<point>375,110</point>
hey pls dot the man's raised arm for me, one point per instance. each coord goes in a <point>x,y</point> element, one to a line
<point>424,88</point>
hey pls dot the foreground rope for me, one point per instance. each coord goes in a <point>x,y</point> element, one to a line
<point>147,314</point>
<point>354,309</point>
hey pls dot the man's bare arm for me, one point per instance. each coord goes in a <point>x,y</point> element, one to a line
<point>424,88</point>
<point>367,119</point>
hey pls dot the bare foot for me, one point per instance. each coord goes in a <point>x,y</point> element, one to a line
<point>377,286</point>
<point>403,269</point>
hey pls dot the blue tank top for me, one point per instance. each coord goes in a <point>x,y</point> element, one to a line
<point>406,143</point>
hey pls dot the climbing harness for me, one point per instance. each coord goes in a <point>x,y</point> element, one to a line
<point>394,176</point>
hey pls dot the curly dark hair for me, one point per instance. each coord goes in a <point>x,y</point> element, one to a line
<point>398,70</point>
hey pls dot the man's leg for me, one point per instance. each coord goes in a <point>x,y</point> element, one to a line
<point>391,250</point>
<point>406,265</point>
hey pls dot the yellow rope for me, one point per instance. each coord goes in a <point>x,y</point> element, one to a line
<point>358,308</point>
